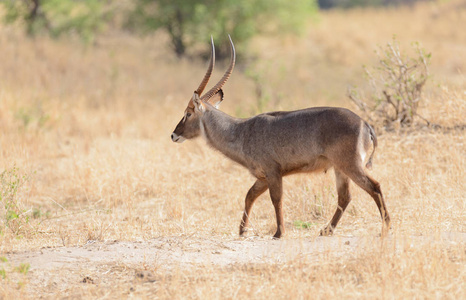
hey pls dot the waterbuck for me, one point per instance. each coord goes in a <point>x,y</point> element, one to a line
<point>276,144</point>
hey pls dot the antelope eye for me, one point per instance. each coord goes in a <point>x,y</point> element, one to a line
<point>188,115</point>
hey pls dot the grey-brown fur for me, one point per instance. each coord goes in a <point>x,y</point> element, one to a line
<point>276,144</point>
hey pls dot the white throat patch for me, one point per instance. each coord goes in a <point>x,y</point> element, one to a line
<point>201,125</point>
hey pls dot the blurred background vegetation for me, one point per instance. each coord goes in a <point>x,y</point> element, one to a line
<point>282,45</point>
<point>187,22</point>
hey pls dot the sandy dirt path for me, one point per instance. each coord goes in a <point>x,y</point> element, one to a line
<point>186,251</point>
<point>109,262</point>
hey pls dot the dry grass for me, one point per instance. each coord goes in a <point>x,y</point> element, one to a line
<point>91,128</point>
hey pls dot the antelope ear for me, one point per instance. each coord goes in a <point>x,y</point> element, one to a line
<point>216,99</point>
<point>198,105</point>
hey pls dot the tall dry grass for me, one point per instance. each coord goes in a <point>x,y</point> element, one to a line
<point>91,128</point>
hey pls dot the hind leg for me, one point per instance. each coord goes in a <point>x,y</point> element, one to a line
<point>344,198</point>
<point>372,187</point>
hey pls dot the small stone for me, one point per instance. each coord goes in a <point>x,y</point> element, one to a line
<point>88,279</point>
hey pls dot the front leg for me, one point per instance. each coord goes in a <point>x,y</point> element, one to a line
<point>276,191</point>
<point>258,188</point>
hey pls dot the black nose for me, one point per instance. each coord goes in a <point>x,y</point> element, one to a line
<point>173,136</point>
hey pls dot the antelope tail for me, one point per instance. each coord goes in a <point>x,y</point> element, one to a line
<point>374,142</point>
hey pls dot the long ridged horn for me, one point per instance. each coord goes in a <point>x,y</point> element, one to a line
<point>225,77</point>
<point>204,82</point>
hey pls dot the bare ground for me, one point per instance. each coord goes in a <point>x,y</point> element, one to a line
<point>130,265</point>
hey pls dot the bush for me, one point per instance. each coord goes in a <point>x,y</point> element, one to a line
<point>396,84</point>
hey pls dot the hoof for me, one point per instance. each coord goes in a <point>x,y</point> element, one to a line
<point>279,233</point>
<point>328,231</point>
<point>277,236</point>
<point>243,232</point>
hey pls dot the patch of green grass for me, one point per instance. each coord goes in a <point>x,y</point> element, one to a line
<point>303,225</point>
<point>23,268</point>
<point>13,214</point>
<point>37,213</point>
<point>32,116</point>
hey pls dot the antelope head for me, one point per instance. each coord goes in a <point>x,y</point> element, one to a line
<point>189,126</point>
